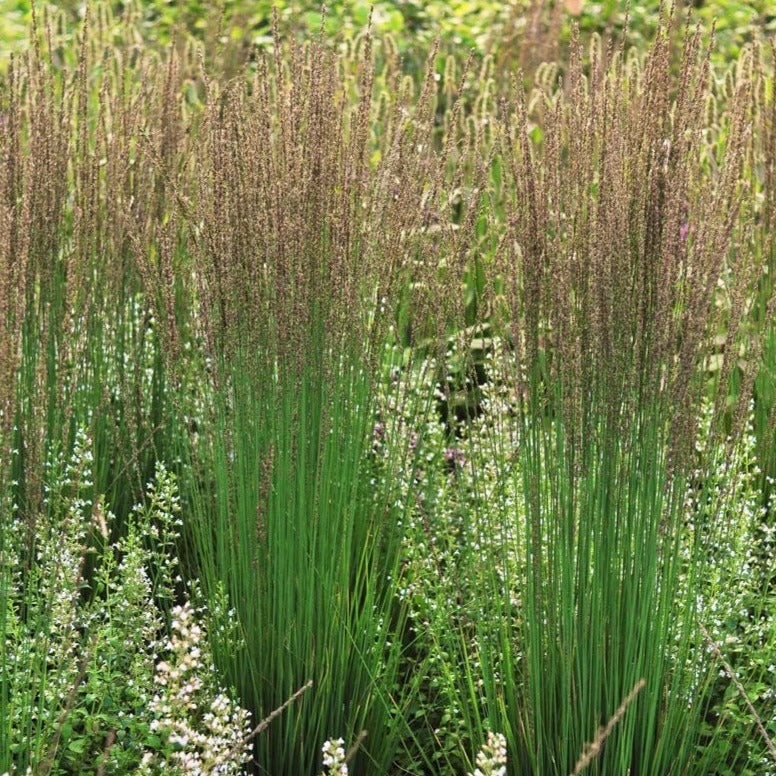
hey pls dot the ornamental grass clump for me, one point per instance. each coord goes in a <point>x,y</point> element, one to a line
<point>81,345</point>
<point>316,211</point>
<point>626,266</point>
<point>619,289</point>
<point>455,378</point>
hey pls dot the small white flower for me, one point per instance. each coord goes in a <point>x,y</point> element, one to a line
<point>492,758</point>
<point>334,757</point>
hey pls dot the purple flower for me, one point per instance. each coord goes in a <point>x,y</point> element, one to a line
<point>454,456</point>
<point>684,230</point>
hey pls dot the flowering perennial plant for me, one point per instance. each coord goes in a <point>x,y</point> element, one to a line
<point>202,733</point>
<point>492,758</point>
<point>83,689</point>
<point>334,757</point>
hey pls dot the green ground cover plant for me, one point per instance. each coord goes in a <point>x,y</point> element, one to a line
<point>386,417</point>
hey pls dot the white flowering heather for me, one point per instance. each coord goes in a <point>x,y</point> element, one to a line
<point>492,758</point>
<point>334,757</point>
<point>203,732</point>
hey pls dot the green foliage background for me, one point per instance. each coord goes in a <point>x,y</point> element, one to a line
<point>481,25</point>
